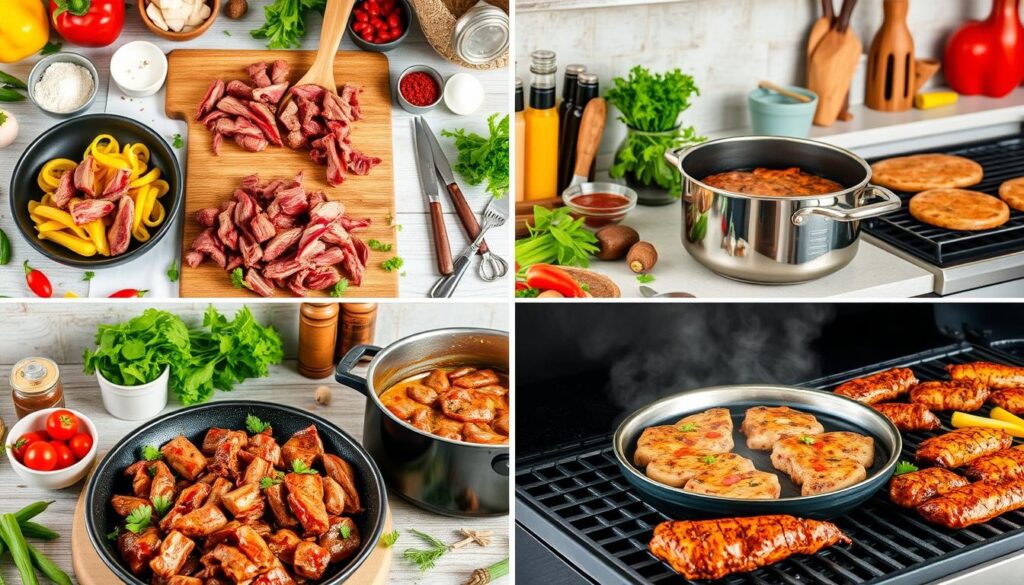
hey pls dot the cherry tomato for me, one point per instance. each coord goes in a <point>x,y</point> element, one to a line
<point>393,20</point>
<point>362,16</point>
<point>65,457</point>
<point>80,445</point>
<point>61,425</point>
<point>40,456</point>
<point>372,7</point>
<point>38,282</point>
<point>18,447</point>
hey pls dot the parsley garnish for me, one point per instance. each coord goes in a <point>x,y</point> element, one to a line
<point>388,539</point>
<point>255,425</point>
<point>151,453</point>
<point>392,264</point>
<point>484,159</point>
<point>527,293</point>
<point>807,439</point>
<point>162,505</point>
<point>709,459</point>
<point>227,32</point>
<point>113,534</point>
<point>378,246</point>
<point>340,288</point>
<point>139,519</point>
<point>299,466</point>
<point>905,467</point>
<point>88,276</point>
<point>238,279</point>
<point>172,272</point>
<point>687,427</point>
<point>345,531</point>
<point>178,141</point>
<point>268,482</point>
<point>644,278</point>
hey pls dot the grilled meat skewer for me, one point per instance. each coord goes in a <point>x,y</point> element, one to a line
<point>910,490</point>
<point>962,446</point>
<point>712,549</point>
<point>1000,466</point>
<point>973,503</point>
<point>990,374</point>
<point>966,395</point>
<point>1010,399</point>
<point>880,387</point>
<point>909,417</point>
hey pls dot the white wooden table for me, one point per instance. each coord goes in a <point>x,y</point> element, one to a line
<point>283,386</point>
<point>414,240</point>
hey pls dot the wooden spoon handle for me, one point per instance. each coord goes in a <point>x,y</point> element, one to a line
<point>827,10</point>
<point>591,130</point>
<point>335,22</point>
<point>843,22</point>
<point>783,91</point>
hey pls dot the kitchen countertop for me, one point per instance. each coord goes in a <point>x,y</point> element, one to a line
<point>414,239</point>
<point>284,386</point>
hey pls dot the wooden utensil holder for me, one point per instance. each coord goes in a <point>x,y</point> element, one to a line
<point>894,76</point>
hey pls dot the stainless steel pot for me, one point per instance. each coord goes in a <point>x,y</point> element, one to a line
<point>434,473</point>
<point>775,239</point>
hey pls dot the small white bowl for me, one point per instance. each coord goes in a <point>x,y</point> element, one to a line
<point>43,64</point>
<point>472,94</point>
<point>134,402</point>
<point>60,478</point>
<point>139,69</point>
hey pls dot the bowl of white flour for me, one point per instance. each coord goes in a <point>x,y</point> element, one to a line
<point>63,85</point>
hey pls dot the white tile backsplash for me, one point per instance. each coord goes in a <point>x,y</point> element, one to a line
<point>727,45</point>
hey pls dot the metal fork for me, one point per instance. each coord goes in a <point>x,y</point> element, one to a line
<point>495,215</point>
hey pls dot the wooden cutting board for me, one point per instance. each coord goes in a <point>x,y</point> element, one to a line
<point>90,569</point>
<point>211,180</point>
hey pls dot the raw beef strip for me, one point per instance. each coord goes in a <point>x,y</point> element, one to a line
<point>326,212</point>
<point>213,95</point>
<point>118,186</point>
<point>258,285</point>
<point>239,89</point>
<point>89,210</point>
<point>262,228</point>
<point>322,278</point>
<point>329,257</point>
<point>207,217</point>
<point>120,234</point>
<point>85,176</point>
<point>251,251</point>
<point>292,201</point>
<point>271,94</point>
<point>281,243</point>
<point>251,143</point>
<point>206,243</point>
<point>258,73</point>
<point>194,258</point>
<point>350,96</point>
<point>361,164</point>
<point>282,268</point>
<point>226,232</point>
<point>65,190</point>
<point>279,72</point>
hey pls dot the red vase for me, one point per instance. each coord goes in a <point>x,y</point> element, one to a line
<point>987,57</point>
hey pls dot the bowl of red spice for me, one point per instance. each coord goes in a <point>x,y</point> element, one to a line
<point>380,25</point>
<point>419,89</point>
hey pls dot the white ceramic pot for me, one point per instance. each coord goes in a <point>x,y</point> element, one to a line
<point>134,402</point>
<point>61,478</point>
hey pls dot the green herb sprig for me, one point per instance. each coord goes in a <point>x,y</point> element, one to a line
<point>484,159</point>
<point>285,22</point>
<point>556,238</point>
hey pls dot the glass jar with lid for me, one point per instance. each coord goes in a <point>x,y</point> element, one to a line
<point>36,385</point>
<point>482,34</point>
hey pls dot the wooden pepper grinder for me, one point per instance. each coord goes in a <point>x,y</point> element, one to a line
<point>894,76</point>
<point>318,333</point>
<point>358,326</point>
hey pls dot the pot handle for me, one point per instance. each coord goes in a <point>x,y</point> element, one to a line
<point>890,202</point>
<point>676,156</point>
<point>343,373</point>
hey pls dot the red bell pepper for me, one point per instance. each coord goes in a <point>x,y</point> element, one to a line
<point>89,23</point>
<point>987,57</point>
<point>548,277</point>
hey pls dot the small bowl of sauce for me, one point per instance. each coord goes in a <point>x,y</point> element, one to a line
<point>600,204</point>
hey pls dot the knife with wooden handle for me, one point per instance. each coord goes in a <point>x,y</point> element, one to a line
<point>425,164</point>
<point>444,170</point>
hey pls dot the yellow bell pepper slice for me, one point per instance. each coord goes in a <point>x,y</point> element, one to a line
<point>24,29</point>
<point>146,179</point>
<point>962,419</point>
<point>61,216</point>
<point>50,226</point>
<point>70,295</point>
<point>97,231</point>
<point>1000,413</point>
<point>80,246</point>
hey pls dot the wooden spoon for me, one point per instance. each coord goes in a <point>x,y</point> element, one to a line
<point>820,27</point>
<point>591,131</point>
<point>768,85</point>
<point>833,65</point>
<point>321,72</point>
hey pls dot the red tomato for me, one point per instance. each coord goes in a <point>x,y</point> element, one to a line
<point>61,425</point>
<point>65,458</point>
<point>18,447</point>
<point>713,434</point>
<point>372,7</point>
<point>40,456</point>
<point>361,15</point>
<point>80,445</point>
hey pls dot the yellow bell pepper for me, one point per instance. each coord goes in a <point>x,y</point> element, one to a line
<point>24,29</point>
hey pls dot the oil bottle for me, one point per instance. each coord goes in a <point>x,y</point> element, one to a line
<point>542,129</point>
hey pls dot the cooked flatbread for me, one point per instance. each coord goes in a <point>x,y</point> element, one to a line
<point>920,172</point>
<point>1012,192</point>
<point>959,209</point>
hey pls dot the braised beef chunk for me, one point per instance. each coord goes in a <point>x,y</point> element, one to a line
<point>88,210</point>
<point>304,446</point>
<point>311,560</point>
<point>120,234</point>
<point>341,540</point>
<point>85,177</point>
<point>138,549</point>
<point>65,190</point>
<point>173,553</point>
<point>184,457</point>
<point>117,186</point>
<point>306,501</point>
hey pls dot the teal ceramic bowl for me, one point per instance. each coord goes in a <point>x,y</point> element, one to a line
<point>772,114</point>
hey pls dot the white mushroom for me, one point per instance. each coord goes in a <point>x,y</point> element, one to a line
<point>196,18</point>
<point>175,13</point>
<point>153,11</point>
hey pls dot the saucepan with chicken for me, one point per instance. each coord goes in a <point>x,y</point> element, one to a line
<point>437,417</point>
<point>236,492</point>
<point>758,449</point>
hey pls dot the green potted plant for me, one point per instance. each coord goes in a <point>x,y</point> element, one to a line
<point>650,105</point>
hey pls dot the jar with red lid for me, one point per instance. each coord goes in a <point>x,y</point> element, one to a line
<point>35,385</point>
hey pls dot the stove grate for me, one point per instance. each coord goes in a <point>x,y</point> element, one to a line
<point>584,501</point>
<point>1002,159</point>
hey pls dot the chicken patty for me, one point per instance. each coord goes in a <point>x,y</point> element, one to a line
<point>750,485</point>
<point>676,471</point>
<point>826,462</point>
<point>764,426</point>
<point>697,434</point>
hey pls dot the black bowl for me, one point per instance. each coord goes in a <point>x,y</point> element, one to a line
<point>108,479</point>
<point>69,140</point>
<point>365,45</point>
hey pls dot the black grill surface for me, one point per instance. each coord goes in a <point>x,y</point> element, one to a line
<point>1002,159</point>
<point>575,498</point>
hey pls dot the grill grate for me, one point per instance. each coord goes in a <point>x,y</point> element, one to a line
<point>586,504</point>
<point>1002,159</point>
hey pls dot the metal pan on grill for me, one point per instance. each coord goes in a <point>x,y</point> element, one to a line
<point>835,413</point>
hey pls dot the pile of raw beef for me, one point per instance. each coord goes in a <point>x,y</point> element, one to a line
<point>95,205</point>
<point>281,236</point>
<point>312,119</point>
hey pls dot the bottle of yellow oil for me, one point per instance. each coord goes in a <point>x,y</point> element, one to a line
<point>542,129</point>
<point>520,142</point>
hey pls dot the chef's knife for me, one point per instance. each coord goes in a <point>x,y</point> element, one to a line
<point>425,169</point>
<point>444,170</point>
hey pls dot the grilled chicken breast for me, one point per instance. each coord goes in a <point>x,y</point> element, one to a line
<point>676,471</point>
<point>990,374</point>
<point>962,446</point>
<point>965,395</point>
<point>698,434</point>
<point>1011,399</point>
<point>999,466</point>
<point>973,503</point>
<point>751,485</point>
<point>910,490</point>
<point>826,462</point>
<point>880,387</point>
<point>764,426</point>
<point>712,549</point>
<point>909,417</point>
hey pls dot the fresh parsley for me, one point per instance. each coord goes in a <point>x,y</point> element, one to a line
<point>161,505</point>
<point>709,459</point>
<point>644,278</point>
<point>484,159</point>
<point>392,264</point>
<point>527,293</point>
<point>89,275</point>
<point>172,272</point>
<point>299,466</point>
<point>268,482</point>
<point>51,48</point>
<point>139,519</point>
<point>807,439</point>
<point>238,279</point>
<point>340,288</point>
<point>151,453</point>
<point>178,141</point>
<point>254,425</point>
<point>388,539</point>
<point>905,467</point>
<point>345,531</point>
<point>556,238</point>
<point>285,24</point>
<point>113,534</point>
<point>378,246</point>
<point>687,427</point>
<point>227,32</point>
